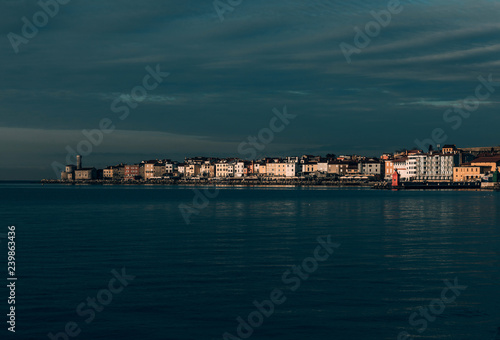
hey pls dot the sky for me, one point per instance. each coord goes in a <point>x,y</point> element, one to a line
<point>225,77</point>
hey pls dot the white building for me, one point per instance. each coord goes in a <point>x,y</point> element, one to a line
<point>292,169</point>
<point>181,168</point>
<point>373,168</point>
<point>322,167</point>
<point>224,169</point>
<point>256,168</point>
<point>401,165</point>
<point>169,168</point>
<point>238,168</point>
<point>433,166</point>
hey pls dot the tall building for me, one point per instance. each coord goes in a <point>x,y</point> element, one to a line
<point>149,169</point>
<point>432,166</point>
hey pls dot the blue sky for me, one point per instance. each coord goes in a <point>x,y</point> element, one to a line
<point>226,77</point>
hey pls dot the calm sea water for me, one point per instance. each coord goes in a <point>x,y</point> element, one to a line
<point>192,281</point>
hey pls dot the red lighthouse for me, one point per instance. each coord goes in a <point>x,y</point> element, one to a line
<point>395,179</point>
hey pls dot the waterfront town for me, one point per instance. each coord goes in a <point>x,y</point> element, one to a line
<point>448,164</point>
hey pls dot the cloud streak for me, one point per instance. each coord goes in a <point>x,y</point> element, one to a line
<point>225,77</point>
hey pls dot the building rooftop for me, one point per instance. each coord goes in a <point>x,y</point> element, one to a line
<point>487,159</point>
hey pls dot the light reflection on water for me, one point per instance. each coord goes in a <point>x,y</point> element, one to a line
<point>194,280</point>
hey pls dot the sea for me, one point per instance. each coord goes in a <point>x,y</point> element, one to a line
<point>280,263</point>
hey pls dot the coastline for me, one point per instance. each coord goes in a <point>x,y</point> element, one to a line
<point>232,182</point>
<point>378,185</point>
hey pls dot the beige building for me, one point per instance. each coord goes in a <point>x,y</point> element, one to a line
<point>193,170</point>
<point>339,168</point>
<point>207,170</point>
<point>181,169</point>
<point>322,167</point>
<point>262,169</point>
<point>68,173</point>
<point>308,168</point>
<point>114,172</point>
<point>85,174</point>
<point>276,169</point>
<point>120,171</point>
<point>149,169</point>
<point>353,169</point>
<point>223,169</point>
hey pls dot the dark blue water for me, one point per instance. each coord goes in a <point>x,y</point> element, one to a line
<point>192,281</point>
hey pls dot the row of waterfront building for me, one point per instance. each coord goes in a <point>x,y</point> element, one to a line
<point>447,164</point>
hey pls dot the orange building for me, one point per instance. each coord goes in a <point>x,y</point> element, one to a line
<point>389,168</point>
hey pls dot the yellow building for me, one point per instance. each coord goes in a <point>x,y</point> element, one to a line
<point>492,162</point>
<point>309,167</point>
<point>469,173</point>
<point>262,169</point>
<point>108,173</point>
<point>450,148</point>
<point>149,169</point>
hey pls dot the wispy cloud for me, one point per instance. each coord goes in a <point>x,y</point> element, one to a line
<point>444,103</point>
<point>226,77</point>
